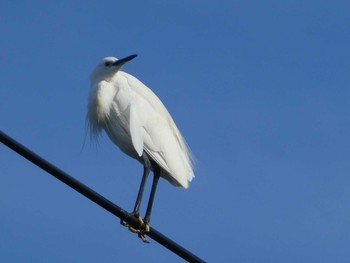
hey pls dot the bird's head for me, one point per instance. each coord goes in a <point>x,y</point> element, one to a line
<point>108,67</point>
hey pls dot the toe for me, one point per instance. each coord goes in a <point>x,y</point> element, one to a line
<point>147,228</point>
<point>140,220</point>
<point>143,238</point>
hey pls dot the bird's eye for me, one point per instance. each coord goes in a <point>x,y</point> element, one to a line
<point>108,64</point>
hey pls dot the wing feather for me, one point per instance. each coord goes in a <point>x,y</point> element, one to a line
<point>161,138</point>
<point>135,131</point>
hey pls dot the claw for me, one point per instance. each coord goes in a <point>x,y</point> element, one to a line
<point>134,230</point>
<point>139,219</point>
<point>142,233</point>
<point>141,230</point>
<point>141,223</point>
<point>143,238</point>
<point>147,228</point>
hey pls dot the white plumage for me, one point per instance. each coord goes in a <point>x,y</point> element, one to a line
<point>137,121</point>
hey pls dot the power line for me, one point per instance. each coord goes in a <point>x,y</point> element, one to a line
<point>95,197</point>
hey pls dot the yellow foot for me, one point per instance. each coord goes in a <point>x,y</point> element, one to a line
<point>141,230</point>
<point>142,233</point>
<point>141,225</point>
<point>139,219</point>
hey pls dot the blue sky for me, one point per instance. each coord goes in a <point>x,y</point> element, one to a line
<point>260,90</point>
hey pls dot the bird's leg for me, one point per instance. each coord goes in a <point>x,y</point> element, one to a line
<point>136,211</point>
<point>147,218</point>
<point>146,171</point>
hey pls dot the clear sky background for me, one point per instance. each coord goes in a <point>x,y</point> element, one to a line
<point>260,90</point>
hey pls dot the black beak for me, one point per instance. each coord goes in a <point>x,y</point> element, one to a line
<point>121,62</point>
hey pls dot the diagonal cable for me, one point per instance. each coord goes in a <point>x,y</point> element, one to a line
<point>95,197</point>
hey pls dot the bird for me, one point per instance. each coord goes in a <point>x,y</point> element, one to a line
<point>137,121</point>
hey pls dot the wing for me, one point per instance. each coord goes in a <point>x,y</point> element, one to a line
<point>151,125</point>
<point>161,138</point>
<point>135,131</point>
<point>163,147</point>
<point>148,95</point>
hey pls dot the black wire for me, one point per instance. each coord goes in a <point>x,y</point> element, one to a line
<point>95,197</point>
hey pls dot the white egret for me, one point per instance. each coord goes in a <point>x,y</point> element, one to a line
<point>136,121</point>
